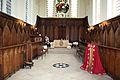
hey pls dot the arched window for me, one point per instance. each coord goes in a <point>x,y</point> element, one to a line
<point>1,4</point>
<point>8,7</point>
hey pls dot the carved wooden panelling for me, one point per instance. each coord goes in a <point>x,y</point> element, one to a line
<point>6,62</point>
<point>1,37</point>
<point>61,28</point>
<point>0,57</point>
<point>9,24</point>
<point>6,36</point>
<point>2,23</point>
<point>117,67</point>
<point>102,54</point>
<point>13,36</point>
<point>70,32</point>
<point>23,36</point>
<point>117,37</point>
<point>51,32</point>
<point>104,37</point>
<point>108,40</point>
<point>101,36</point>
<point>10,60</point>
<point>67,33</point>
<point>112,37</point>
<point>112,62</point>
<point>56,32</point>
<point>18,36</point>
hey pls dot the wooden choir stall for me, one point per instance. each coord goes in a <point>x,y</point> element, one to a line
<point>71,29</point>
<point>14,36</point>
<point>107,36</point>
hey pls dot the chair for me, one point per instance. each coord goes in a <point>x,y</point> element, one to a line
<point>25,62</point>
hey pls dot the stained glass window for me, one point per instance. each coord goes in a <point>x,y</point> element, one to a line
<point>61,8</point>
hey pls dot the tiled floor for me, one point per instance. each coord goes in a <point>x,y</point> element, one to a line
<point>44,70</point>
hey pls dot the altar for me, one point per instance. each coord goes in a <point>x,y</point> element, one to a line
<point>60,43</point>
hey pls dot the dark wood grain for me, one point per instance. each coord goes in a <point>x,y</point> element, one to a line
<point>62,28</point>
<point>14,38</point>
<point>107,38</point>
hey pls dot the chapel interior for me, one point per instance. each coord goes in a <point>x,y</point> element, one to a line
<point>47,39</point>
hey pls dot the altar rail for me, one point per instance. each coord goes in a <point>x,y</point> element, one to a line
<point>107,36</point>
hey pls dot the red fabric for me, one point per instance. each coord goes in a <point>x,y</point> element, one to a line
<point>97,67</point>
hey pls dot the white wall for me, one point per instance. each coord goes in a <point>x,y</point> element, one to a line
<point>103,10</point>
<point>35,10</point>
<point>81,8</point>
<point>14,8</point>
<point>85,8</point>
<point>18,10</point>
<point>42,8</point>
<point>89,11</point>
